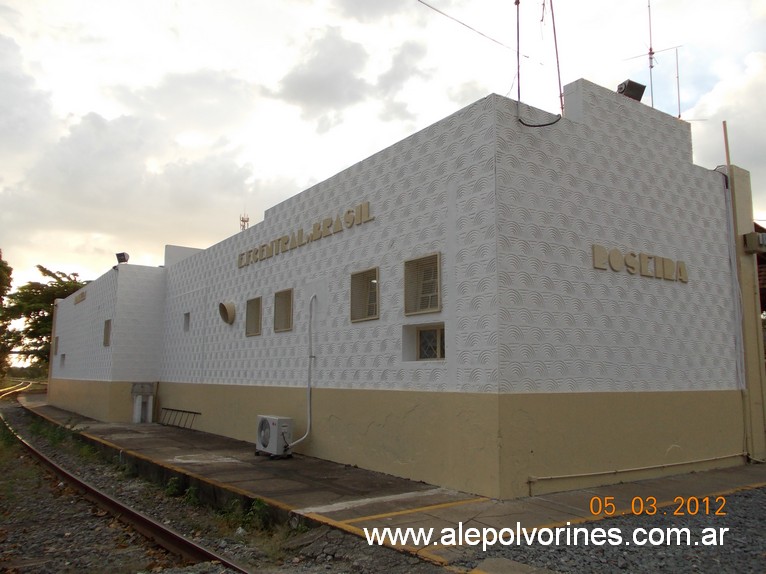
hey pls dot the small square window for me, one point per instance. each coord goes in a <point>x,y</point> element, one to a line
<point>421,285</point>
<point>364,295</point>
<point>253,317</point>
<point>283,311</point>
<point>107,333</point>
<point>431,342</point>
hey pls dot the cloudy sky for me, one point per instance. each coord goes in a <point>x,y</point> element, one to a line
<point>125,126</point>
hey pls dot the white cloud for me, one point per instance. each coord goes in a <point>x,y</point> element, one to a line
<point>213,100</point>
<point>127,126</point>
<point>25,111</point>
<point>95,183</point>
<point>737,99</point>
<point>329,77</point>
<point>368,10</point>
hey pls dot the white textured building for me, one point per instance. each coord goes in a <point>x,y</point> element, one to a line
<point>501,308</point>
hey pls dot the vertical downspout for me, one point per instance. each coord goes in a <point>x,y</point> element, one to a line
<point>308,381</point>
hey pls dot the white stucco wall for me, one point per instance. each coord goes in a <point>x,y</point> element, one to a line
<point>133,298</point>
<point>513,212</point>
<point>618,174</point>
<point>138,325</point>
<point>80,331</point>
<point>432,192</point>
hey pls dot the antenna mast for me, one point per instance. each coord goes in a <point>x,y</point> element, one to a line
<point>651,53</point>
<point>244,222</point>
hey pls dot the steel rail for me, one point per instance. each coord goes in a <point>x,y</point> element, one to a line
<point>147,526</point>
<point>17,388</point>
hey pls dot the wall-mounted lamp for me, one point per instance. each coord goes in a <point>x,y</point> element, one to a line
<point>122,257</point>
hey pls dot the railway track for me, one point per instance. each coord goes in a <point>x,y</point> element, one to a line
<point>17,388</point>
<point>163,536</point>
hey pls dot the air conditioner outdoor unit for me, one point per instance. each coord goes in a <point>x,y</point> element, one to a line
<point>274,435</point>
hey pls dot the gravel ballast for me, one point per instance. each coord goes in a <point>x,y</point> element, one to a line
<point>48,528</point>
<point>53,532</point>
<point>742,547</point>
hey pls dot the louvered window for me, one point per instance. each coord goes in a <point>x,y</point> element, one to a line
<point>422,285</point>
<point>283,311</point>
<point>253,317</point>
<point>364,295</point>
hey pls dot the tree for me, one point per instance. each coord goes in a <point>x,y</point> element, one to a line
<point>7,340</point>
<point>33,302</point>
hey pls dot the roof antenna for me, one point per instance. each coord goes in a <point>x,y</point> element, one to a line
<point>651,53</point>
<point>678,85</point>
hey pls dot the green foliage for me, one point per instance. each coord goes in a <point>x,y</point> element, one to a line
<point>7,340</point>
<point>31,372</point>
<point>191,497</point>
<point>55,434</point>
<point>174,487</point>
<point>6,437</point>
<point>258,516</point>
<point>33,303</point>
<point>254,517</point>
<point>88,452</point>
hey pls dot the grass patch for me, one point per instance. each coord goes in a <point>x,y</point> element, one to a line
<point>88,452</point>
<point>174,487</point>
<point>191,497</point>
<point>273,543</point>
<point>15,470</point>
<point>54,434</point>
<point>7,439</point>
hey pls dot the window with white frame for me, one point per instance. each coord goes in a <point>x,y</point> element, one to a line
<point>253,317</point>
<point>283,311</point>
<point>422,293</point>
<point>365,295</point>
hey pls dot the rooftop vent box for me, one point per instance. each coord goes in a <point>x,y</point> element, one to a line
<point>631,89</point>
<point>755,242</point>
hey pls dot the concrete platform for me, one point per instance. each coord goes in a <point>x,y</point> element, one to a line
<point>352,499</point>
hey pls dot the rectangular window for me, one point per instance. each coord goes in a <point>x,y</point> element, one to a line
<point>187,322</point>
<point>56,346</point>
<point>107,332</point>
<point>421,285</point>
<point>364,295</point>
<point>283,311</point>
<point>253,317</point>
<point>431,342</point>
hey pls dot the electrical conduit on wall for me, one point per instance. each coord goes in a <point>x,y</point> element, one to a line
<point>308,378</point>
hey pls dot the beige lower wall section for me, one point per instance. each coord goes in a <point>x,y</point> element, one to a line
<point>552,435</point>
<point>449,439</point>
<point>105,401</point>
<point>481,443</point>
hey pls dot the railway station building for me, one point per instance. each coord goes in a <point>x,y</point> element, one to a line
<point>504,303</point>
